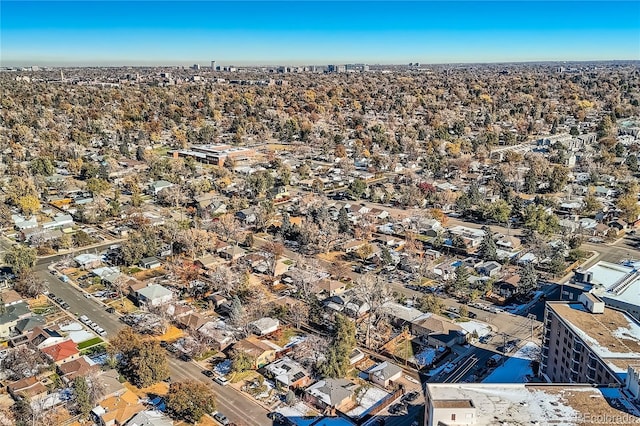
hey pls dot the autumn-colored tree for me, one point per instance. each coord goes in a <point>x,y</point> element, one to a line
<point>190,400</point>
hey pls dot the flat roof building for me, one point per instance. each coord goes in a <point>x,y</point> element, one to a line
<point>519,404</point>
<point>216,154</point>
<point>586,342</point>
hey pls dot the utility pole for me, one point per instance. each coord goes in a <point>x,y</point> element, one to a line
<point>531,322</point>
<point>504,344</point>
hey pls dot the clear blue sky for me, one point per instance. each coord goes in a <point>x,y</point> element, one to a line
<point>265,32</point>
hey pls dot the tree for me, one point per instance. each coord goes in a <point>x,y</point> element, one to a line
<point>488,249</point>
<point>364,251</point>
<point>241,361</point>
<point>358,187</point>
<point>29,204</point>
<point>344,225</point>
<point>20,258</point>
<point>461,281</point>
<point>529,279</point>
<point>537,219</point>
<point>374,291</point>
<point>557,264</point>
<point>337,358</point>
<point>30,285</point>
<point>81,396</point>
<point>628,203</point>
<point>142,362</point>
<point>97,186</point>
<point>430,303</point>
<point>275,250</point>
<point>190,400</point>
<point>463,311</point>
<point>590,204</point>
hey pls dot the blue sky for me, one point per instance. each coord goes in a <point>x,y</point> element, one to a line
<point>305,32</point>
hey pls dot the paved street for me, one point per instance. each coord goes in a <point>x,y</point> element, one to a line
<point>235,406</point>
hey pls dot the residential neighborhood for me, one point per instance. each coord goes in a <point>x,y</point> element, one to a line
<point>405,245</point>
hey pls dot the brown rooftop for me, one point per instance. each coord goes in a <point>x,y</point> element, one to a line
<point>602,331</point>
<point>453,403</point>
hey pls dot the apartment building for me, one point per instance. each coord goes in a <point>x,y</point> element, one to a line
<point>586,342</point>
<point>488,404</point>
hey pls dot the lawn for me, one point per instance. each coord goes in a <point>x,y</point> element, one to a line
<point>89,343</point>
<point>124,306</point>
<point>405,349</point>
<point>285,335</point>
<point>172,334</point>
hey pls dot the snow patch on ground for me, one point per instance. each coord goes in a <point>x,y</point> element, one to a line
<point>371,397</point>
<point>516,368</point>
<point>471,326</point>
<point>297,413</point>
<point>81,336</point>
<point>426,357</point>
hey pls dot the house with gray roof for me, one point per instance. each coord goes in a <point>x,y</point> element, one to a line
<point>149,418</point>
<point>10,317</point>
<point>331,393</point>
<point>384,374</point>
<point>154,295</point>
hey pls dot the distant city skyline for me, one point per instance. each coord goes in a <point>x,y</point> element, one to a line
<point>51,33</point>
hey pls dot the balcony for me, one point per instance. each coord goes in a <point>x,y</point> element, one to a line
<point>575,367</point>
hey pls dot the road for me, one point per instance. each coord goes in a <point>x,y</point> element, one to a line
<point>234,405</point>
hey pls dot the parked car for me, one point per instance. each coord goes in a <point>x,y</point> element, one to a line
<point>221,418</point>
<point>221,380</point>
<point>207,373</point>
<point>411,396</point>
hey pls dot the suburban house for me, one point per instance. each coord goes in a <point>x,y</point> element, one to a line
<point>331,393</point>
<point>87,260</point>
<point>437,331</point>
<point>76,368</point>
<point>42,337</point>
<point>489,269</point>
<point>158,186</point>
<point>150,418</point>
<point>150,262</point>
<point>384,374</point>
<point>154,295</point>
<point>29,387</point>
<point>258,350</point>
<point>288,373</point>
<point>10,317</point>
<point>263,326</point>
<point>331,287</point>
<point>116,410</point>
<point>62,352</point>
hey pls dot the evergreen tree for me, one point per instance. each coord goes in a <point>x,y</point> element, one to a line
<point>81,396</point>
<point>529,279</point>
<point>461,282</point>
<point>488,249</point>
<point>344,225</point>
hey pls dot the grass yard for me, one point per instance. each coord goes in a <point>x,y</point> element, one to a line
<point>243,376</point>
<point>173,333</point>
<point>124,306</point>
<point>283,336</point>
<point>331,256</point>
<point>89,343</point>
<point>405,349</point>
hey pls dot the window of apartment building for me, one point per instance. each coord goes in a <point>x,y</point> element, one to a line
<point>453,417</point>
<point>599,378</point>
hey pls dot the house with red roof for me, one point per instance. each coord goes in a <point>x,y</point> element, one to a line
<point>62,352</point>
